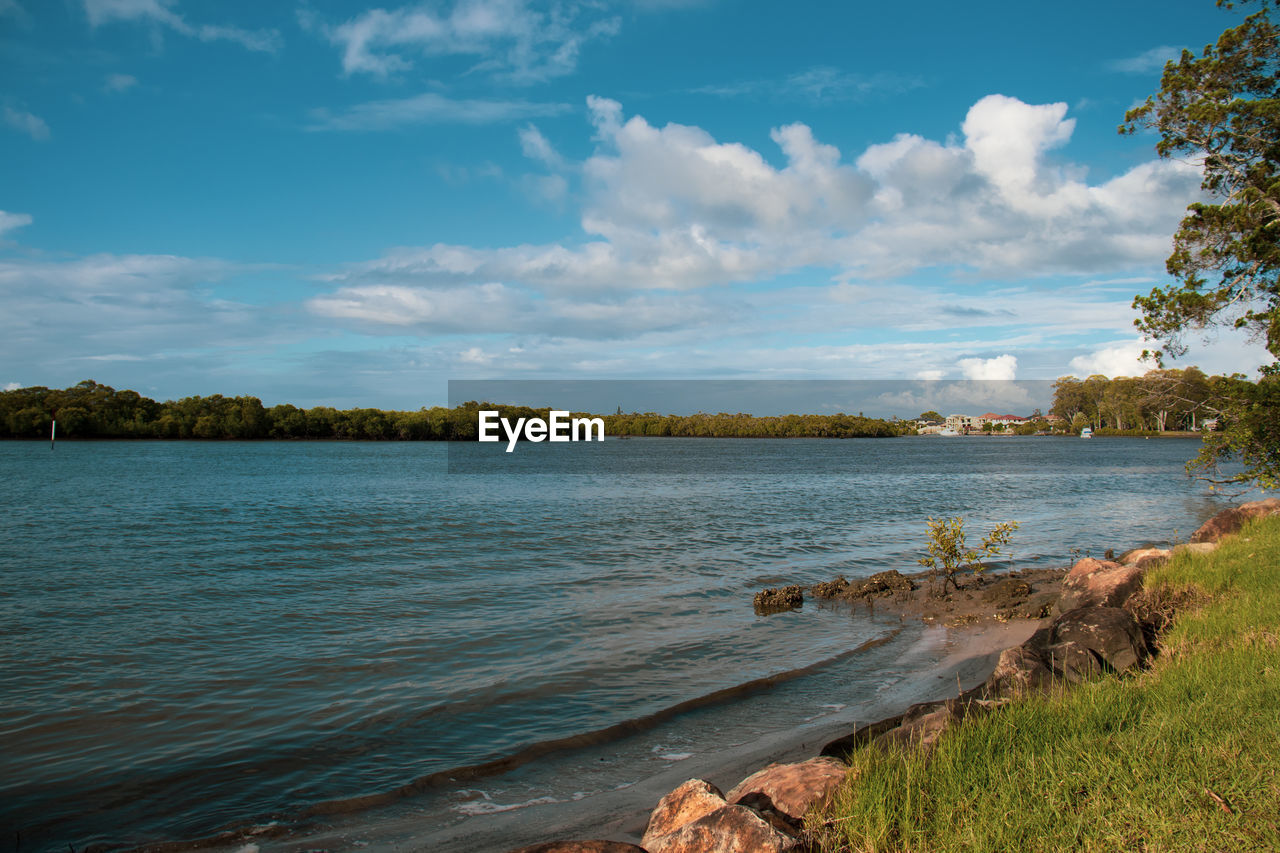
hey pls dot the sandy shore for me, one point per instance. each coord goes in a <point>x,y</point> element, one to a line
<point>968,654</point>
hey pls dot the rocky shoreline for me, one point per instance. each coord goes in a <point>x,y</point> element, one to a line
<point>1094,618</point>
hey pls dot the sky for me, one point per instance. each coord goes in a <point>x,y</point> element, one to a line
<point>336,203</point>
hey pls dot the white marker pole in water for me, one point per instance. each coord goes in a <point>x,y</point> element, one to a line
<point>53,431</point>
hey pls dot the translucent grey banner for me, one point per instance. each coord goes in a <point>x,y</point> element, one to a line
<point>631,427</point>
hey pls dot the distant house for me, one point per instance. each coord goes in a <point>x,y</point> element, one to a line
<point>1005,420</point>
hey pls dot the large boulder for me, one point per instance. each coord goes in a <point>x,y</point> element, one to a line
<point>730,829</point>
<point>1223,524</point>
<point>1259,509</point>
<point>692,800</point>
<point>1098,583</point>
<point>1109,632</point>
<point>791,789</point>
<point>1019,670</point>
<point>581,847</point>
<point>1072,661</point>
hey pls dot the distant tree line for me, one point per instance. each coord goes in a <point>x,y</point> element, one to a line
<point>91,410</point>
<point>1158,401</point>
<point>740,425</point>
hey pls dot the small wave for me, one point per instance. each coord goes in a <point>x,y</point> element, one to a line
<point>486,805</point>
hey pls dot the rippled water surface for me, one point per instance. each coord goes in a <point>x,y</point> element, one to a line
<point>195,635</point>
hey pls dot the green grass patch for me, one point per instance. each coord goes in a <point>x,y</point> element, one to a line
<point>1183,756</point>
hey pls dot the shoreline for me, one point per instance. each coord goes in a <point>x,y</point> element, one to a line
<point>968,654</point>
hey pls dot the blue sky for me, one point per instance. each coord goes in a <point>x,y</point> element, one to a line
<point>347,204</point>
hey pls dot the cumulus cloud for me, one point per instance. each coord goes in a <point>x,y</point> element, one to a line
<point>430,108</point>
<point>1001,367</point>
<point>1123,358</point>
<point>29,123</point>
<point>506,38</point>
<point>672,207</point>
<point>160,13</point>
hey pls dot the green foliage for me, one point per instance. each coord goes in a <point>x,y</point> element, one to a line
<point>90,410</point>
<point>1224,108</point>
<point>1248,433</point>
<point>725,425</point>
<point>949,554</point>
<point>1129,763</point>
<point>1157,401</point>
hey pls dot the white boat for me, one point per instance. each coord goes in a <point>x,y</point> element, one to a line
<point>948,432</point>
<point>1087,432</point>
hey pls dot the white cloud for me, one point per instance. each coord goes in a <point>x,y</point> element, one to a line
<point>12,386</point>
<point>674,208</point>
<point>1001,367</point>
<point>1147,61</point>
<point>26,122</point>
<point>123,304</point>
<point>120,82</point>
<point>430,108</point>
<point>10,221</point>
<point>507,38</point>
<point>1219,352</point>
<point>160,13</point>
<point>536,147</point>
<point>1123,358</point>
<point>820,84</point>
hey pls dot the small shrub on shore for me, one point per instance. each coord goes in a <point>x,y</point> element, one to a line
<point>949,554</point>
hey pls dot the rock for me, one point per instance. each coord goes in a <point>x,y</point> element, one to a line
<point>1223,524</point>
<point>1135,556</point>
<point>1259,509</point>
<point>1098,583</point>
<point>581,847</point>
<point>1153,560</point>
<point>784,598</point>
<point>1110,632</point>
<point>1019,670</point>
<point>792,789</point>
<point>925,723</point>
<point>881,583</point>
<point>1072,662</point>
<point>689,802</point>
<point>1037,606</point>
<point>731,829</point>
<point>840,747</point>
<point>1195,548</point>
<point>830,589</point>
<point>1007,592</point>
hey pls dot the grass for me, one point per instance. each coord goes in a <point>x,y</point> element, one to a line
<point>1182,756</point>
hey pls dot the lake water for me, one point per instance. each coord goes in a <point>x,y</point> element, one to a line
<point>195,636</point>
